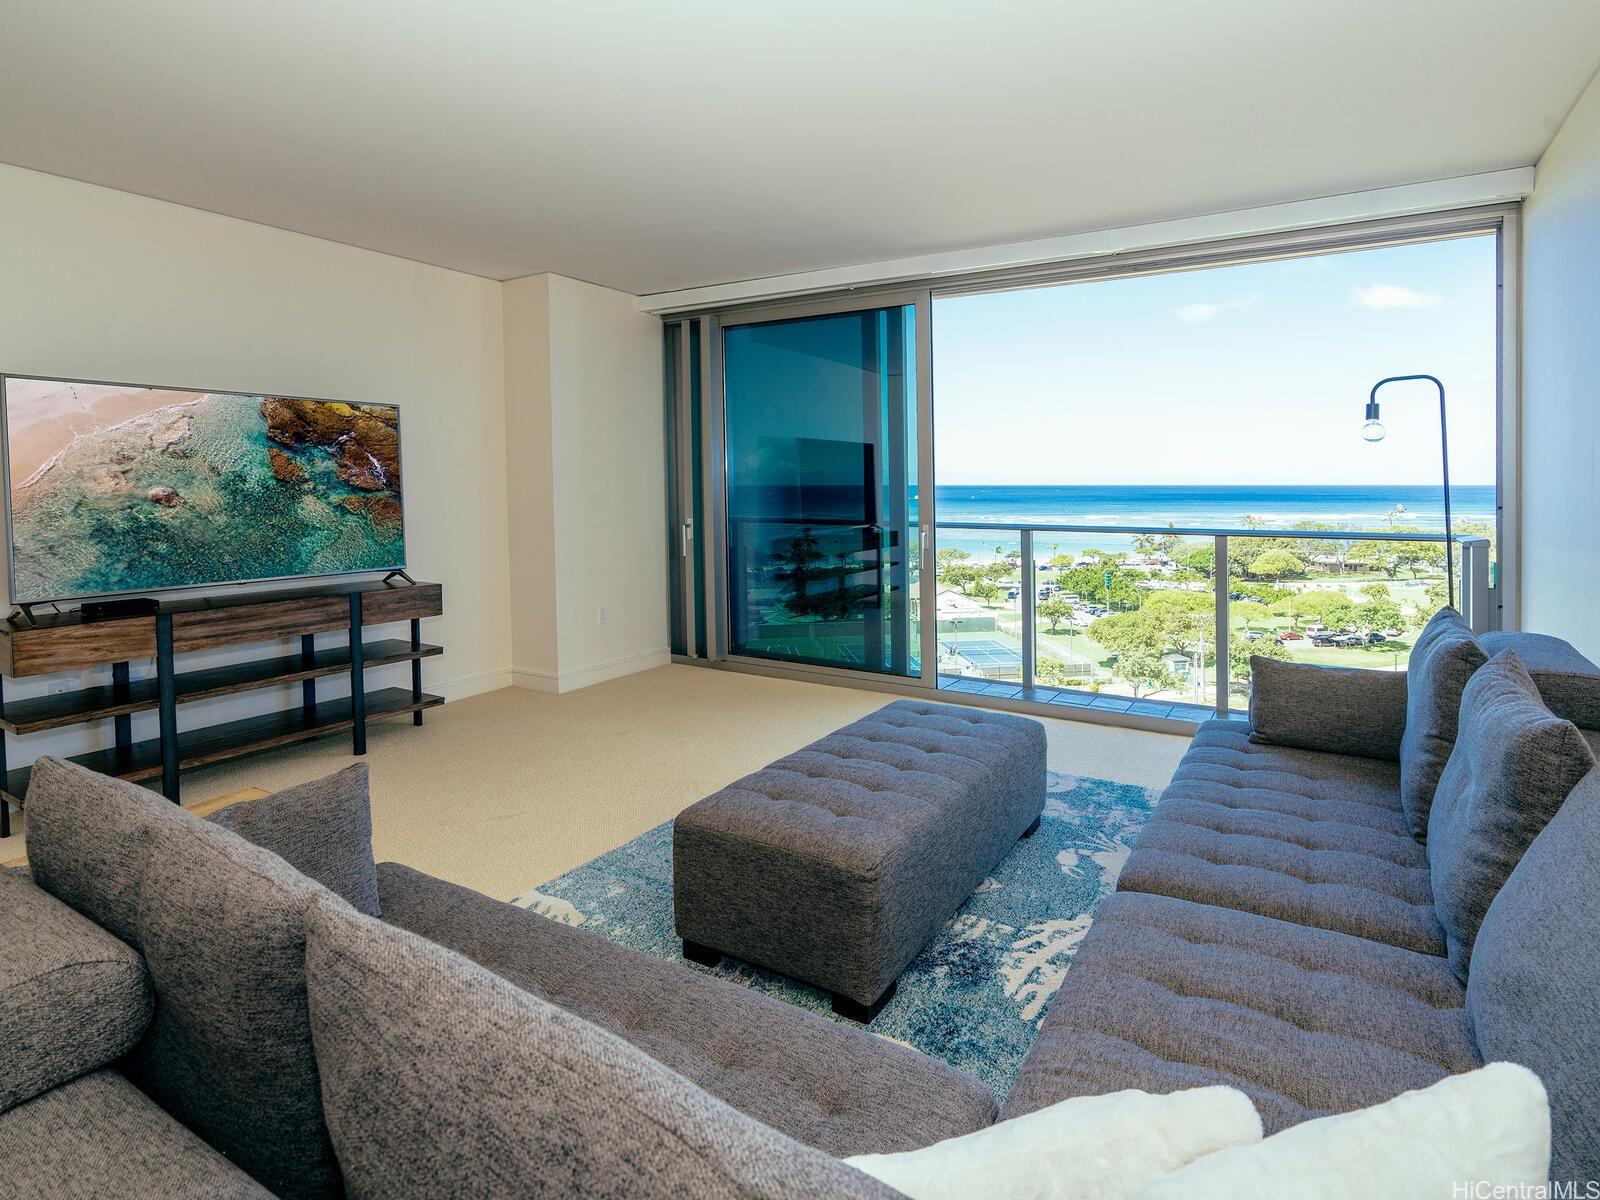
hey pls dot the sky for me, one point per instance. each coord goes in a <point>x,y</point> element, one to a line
<point>1249,374</point>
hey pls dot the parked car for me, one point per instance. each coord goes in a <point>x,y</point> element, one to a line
<point>1289,635</point>
<point>1324,640</point>
<point>1253,635</point>
<point>1235,595</point>
<point>1013,593</point>
<point>1375,637</point>
<point>1315,629</point>
<point>1349,639</point>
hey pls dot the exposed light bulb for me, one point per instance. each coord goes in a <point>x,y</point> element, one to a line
<point>1373,430</point>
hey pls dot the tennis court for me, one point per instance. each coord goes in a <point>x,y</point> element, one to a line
<point>986,655</point>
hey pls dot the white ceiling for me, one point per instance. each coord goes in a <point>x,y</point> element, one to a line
<point>651,146</point>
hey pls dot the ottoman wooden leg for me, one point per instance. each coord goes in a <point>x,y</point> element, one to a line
<point>1031,829</point>
<point>852,1010</point>
<point>704,955</point>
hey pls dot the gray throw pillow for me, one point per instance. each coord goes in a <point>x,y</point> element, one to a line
<point>1514,765</point>
<point>1535,976</point>
<point>1567,681</point>
<point>72,997</point>
<point>323,829</point>
<point>221,926</point>
<point>442,1080</point>
<point>1443,658</point>
<point>1338,710</point>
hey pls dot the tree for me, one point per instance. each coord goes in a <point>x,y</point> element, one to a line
<point>1311,606</point>
<point>1380,613</point>
<point>1341,614</point>
<point>1199,557</point>
<point>1249,613</point>
<point>1416,557</point>
<point>1241,649</point>
<point>949,555</point>
<point>1055,611</point>
<point>1375,591</point>
<point>985,591</point>
<point>1144,667</point>
<point>1049,670</point>
<point>1438,597</point>
<point>958,574</point>
<point>1089,581</point>
<point>1275,564</point>
<point>1262,593</point>
<point>1375,554</point>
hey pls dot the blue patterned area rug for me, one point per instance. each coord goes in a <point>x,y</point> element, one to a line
<point>975,995</point>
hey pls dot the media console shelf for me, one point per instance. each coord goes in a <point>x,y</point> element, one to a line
<point>57,643</point>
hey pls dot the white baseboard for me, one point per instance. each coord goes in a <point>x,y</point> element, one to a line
<point>471,685</point>
<point>567,681</point>
<point>535,681</point>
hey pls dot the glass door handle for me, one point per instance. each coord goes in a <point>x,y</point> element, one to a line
<point>687,530</point>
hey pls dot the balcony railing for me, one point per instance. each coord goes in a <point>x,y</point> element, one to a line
<point>1473,594</point>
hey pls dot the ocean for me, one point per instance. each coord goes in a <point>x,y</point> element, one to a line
<point>1275,506</point>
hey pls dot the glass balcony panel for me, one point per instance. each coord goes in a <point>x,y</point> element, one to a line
<point>979,605</point>
<point>1334,601</point>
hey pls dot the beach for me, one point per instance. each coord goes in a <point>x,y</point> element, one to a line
<point>45,416</point>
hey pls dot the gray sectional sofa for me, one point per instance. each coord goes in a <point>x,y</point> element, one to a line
<point>1275,929</point>
<point>156,1024</point>
<point>252,1007</point>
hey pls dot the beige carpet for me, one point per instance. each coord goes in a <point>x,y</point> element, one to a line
<point>506,790</point>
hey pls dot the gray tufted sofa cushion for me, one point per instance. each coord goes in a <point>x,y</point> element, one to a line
<point>834,1087</point>
<point>1166,994</point>
<point>836,864</point>
<point>100,1136</point>
<point>1316,839</point>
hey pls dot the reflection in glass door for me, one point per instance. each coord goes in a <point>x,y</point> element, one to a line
<point>820,422</point>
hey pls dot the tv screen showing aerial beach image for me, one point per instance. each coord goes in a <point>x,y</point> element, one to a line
<point>133,489</point>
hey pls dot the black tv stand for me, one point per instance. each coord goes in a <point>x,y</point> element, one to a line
<point>400,574</point>
<point>70,643</point>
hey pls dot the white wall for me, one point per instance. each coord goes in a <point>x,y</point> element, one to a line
<point>587,483</point>
<point>99,284</point>
<point>530,479</point>
<point>1561,385</point>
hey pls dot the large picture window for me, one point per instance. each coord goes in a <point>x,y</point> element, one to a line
<point>1124,481</point>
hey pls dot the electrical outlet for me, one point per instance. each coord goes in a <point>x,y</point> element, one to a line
<point>600,616</point>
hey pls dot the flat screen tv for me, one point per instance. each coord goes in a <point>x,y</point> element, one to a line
<point>114,488</point>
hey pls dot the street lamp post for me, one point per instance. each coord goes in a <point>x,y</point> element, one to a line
<point>1372,430</point>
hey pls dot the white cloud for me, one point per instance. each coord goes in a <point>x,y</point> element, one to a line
<point>1203,311</point>
<point>1391,295</point>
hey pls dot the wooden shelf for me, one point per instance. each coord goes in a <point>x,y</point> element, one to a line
<point>98,703</point>
<point>60,642</point>
<point>234,739</point>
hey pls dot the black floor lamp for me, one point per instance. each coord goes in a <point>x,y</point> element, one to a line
<point>1373,431</point>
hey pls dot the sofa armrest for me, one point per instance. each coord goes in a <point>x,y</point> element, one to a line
<point>1338,710</point>
<point>72,997</point>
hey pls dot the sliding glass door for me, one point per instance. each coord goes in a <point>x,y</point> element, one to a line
<point>822,438</point>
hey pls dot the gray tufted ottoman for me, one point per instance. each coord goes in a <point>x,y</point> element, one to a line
<point>836,864</point>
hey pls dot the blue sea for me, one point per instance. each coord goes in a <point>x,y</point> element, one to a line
<point>1366,507</point>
